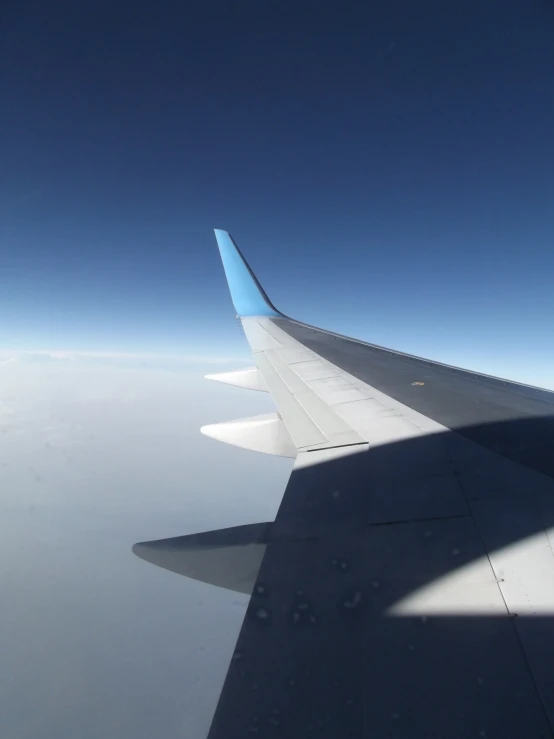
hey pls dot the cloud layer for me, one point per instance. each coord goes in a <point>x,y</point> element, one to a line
<point>94,458</point>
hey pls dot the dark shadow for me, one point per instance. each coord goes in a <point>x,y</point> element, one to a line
<point>326,650</point>
<point>229,558</point>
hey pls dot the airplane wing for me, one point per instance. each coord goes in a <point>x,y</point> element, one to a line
<point>406,586</point>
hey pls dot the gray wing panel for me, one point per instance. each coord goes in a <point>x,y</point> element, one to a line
<point>475,405</point>
<point>325,650</point>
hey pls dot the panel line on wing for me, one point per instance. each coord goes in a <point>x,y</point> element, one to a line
<point>301,427</point>
<point>333,427</point>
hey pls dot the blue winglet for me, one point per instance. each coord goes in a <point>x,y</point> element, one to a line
<point>247,294</point>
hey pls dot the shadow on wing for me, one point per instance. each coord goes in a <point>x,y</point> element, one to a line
<point>404,590</point>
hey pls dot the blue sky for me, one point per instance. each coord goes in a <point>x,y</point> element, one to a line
<point>386,170</point>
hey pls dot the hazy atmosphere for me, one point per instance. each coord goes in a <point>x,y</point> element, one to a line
<point>386,169</point>
<point>96,642</point>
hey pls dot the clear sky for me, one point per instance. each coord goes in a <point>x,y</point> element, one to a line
<point>386,167</point>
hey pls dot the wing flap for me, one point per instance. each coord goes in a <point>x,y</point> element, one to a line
<point>302,428</point>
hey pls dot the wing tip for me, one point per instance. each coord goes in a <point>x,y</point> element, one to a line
<point>248,296</point>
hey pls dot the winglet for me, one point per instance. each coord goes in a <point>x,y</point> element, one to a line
<point>247,294</point>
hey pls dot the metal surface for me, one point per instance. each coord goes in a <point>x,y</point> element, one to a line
<point>406,590</point>
<point>475,405</point>
<point>384,627</point>
<point>249,378</point>
<point>247,294</point>
<point>265,433</point>
<point>440,530</point>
